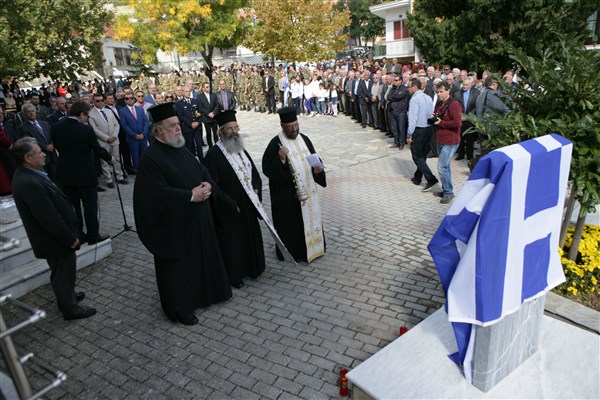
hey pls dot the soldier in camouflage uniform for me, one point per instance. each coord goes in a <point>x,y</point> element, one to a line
<point>259,98</point>
<point>240,92</point>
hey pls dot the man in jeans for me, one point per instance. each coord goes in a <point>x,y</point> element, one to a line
<point>419,133</point>
<point>447,137</point>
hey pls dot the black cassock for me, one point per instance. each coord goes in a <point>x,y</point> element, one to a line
<point>285,206</point>
<point>239,234</point>
<point>180,234</point>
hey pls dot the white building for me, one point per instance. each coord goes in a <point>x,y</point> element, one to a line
<point>398,42</point>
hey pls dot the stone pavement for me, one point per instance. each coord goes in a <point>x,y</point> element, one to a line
<point>285,335</point>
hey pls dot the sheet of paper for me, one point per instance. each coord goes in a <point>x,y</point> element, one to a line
<point>314,161</point>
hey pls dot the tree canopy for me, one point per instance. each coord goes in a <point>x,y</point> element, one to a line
<point>297,30</point>
<point>183,25</point>
<point>558,94</point>
<point>51,38</point>
<point>477,34</point>
<point>363,23</point>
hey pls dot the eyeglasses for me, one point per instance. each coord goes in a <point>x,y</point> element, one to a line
<point>168,97</point>
<point>139,95</point>
<point>129,98</point>
<point>97,101</point>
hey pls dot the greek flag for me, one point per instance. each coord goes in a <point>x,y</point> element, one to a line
<point>497,247</point>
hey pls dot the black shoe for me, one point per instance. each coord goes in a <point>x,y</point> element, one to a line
<point>460,157</point>
<point>99,238</point>
<point>438,194</point>
<point>79,296</point>
<point>469,158</point>
<point>123,182</point>
<point>364,125</point>
<point>188,319</point>
<point>110,185</point>
<point>238,285</point>
<point>447,198</point>
<point>100,189</point>
<point>80,313</point>
<point>414,181</point>
<point>429,186</point>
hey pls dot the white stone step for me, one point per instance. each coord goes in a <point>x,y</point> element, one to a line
<point>13,229</point>
<point>35,273</point>
<point>16,256</point>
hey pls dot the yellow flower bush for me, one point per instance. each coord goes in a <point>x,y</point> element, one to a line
<point>582,274</point>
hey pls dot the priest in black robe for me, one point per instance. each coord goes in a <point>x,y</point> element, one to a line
<point>297,221</point>
<point>174,221</point>
<point>236,218</point>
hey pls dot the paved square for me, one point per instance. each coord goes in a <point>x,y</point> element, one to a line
<point>283,336</point>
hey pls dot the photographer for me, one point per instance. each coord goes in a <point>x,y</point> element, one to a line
<point>447,120</point>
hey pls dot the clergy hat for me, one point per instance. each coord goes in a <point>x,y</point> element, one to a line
<point>162,111</point>
<point>287,114</point>
<point>225,116</point>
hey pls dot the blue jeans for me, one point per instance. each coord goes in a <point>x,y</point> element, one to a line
<point>446,151</point>
<point>321,107</point>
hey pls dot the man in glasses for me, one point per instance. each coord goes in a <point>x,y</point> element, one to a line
<point>106,127</point>
<point>135,123</point>
<point>398,100</point>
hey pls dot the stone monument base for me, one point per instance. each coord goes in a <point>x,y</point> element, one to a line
<point>416,366</point>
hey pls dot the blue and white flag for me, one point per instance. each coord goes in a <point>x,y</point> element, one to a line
<point>497,247</point>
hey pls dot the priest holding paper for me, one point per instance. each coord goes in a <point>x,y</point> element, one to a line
<point>294,170</point>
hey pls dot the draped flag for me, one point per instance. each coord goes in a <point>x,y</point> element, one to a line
<point>497,247</point>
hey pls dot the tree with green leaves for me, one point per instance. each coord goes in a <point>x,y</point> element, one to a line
<point>297,30</point>
<point>558,93</point>
<point>363,23</point>
<point>477,34</point>
<point>183,25</point>
<point>57,39</point>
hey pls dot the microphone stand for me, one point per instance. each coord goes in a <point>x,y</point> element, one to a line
<point>126,226</point>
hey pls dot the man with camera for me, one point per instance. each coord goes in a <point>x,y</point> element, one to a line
<point>448,121</point>
<point>419,133</point>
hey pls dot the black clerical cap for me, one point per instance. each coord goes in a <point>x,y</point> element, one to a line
<point>287,114</point>
<point>162,111</point>
<point>225,116</point>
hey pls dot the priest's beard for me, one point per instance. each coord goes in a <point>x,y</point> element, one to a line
<point>233,144</point>
<point>175,141</point>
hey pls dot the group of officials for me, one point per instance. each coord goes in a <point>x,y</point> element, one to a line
<point>199,219</point>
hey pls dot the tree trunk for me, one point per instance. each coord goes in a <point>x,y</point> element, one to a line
<point>567,219</point>
<point>272,60</point>
<point>574,249</point>
<point>207,55</point>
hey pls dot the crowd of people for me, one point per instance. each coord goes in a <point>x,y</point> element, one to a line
<point>198,214</point>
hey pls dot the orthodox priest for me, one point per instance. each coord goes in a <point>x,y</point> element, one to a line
<point>173,216</point>
<point>293,186</point>
<point>236,217</point>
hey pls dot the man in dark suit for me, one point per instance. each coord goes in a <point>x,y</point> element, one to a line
<point>209,107</point>
<point>134,121</point>
<point>268,89</point>
<point>61,111</point>
<point>362,95</point>
<point>467,97</point>
<point>40,131</point>
<point>76,174</point>
<point>126,165</point>
<point>150,97</point>
<point>50,223</point>
<point>225,97</point>
<point>189,117</point>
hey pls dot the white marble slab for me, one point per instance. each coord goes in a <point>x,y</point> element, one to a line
<point>416,366</point>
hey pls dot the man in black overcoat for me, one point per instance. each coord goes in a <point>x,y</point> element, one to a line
<point>50,223</point>
<point>173,216</point>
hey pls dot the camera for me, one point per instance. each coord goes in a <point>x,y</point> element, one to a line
<point>433,119</point>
